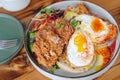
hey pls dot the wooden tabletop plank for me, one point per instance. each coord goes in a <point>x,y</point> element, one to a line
<point>36,74</point>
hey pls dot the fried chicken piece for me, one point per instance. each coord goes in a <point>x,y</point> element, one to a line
<point>50,42</point>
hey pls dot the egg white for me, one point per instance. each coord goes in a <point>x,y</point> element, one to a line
<point>75,57</point>
<point>86,21</point>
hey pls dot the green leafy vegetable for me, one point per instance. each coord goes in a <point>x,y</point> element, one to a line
<point>55,67</point>
<point>60,25</point>
<point>31,46</point>
<point>31,34</point>
<point>47,10</point>
<point>43,11</point>
<point>74,23</point>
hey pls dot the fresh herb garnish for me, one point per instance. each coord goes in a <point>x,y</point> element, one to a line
<point>74,23</point>
<point>60,25</point>
<point>43,10</point>
<point>31,34</point>
<point>31,37</point>
<point>54,68</point>
<point>31,46</point>
<point>47,10</point>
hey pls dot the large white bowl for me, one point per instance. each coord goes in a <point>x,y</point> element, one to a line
<point>62,75</point>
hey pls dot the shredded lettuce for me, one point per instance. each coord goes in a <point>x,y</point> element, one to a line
<point>32,34</point>
<point>54,68</point>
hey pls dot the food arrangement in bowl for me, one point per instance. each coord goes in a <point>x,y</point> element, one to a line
<point>71,40</point>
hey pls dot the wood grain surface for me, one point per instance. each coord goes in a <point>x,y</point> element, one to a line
<point>112,6</point>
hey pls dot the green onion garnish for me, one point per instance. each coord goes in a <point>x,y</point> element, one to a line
<point>74,23</point>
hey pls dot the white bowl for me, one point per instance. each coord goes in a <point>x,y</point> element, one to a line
<point>62,75</point>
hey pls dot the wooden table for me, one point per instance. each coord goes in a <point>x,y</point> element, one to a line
<point>112,6</point>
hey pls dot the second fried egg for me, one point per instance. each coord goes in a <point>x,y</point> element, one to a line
<point>94,26</point>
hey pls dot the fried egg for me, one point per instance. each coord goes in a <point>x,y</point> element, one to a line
<point>80,50</point>
<point>94,26</point>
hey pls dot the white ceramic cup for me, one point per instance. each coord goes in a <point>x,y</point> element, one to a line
<point>14,5</point>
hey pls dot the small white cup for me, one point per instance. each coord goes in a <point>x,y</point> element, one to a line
<point>14,5</point>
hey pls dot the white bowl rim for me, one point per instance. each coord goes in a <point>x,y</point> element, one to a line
<point>93,74</point>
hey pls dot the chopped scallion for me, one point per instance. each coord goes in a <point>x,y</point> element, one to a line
<point>74,23</point>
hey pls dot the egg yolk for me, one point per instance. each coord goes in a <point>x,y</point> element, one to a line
<point>80,41</point>
<point>96,25</point>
